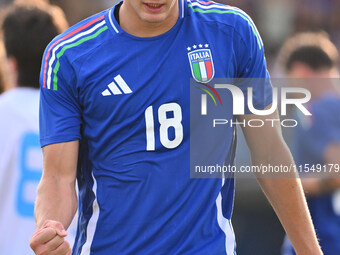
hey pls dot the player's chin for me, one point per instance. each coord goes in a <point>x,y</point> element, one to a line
<point>154,18</point>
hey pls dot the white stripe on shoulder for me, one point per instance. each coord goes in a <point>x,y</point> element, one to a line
<point>58,46</point>
<point>111,21</point>
<point>92,224</point>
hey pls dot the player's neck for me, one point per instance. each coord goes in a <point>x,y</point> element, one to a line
<point>131,23</point>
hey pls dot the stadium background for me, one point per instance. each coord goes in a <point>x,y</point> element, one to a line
<point>257,229</point>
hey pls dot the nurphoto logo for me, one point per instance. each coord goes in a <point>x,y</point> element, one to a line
<point>288,96</point>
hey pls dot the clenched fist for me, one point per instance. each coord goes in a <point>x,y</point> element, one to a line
<point>49,240</point>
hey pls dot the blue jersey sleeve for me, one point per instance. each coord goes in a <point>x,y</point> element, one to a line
<point>60,112</point>
<point>251,64</point>
<point>324,127</point>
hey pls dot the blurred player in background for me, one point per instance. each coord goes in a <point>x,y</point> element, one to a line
<point>3,68</point>
<point>118,85</point>
<point>314,57</point>
<point>26,30</point>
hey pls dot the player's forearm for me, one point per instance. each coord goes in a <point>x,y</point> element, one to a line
<point>56,200</point>
<point>288,200</point>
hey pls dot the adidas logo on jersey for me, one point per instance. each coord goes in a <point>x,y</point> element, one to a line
<point>117,87</point>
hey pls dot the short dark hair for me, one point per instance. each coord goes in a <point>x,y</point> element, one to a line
<point>312,49</point>
<point>27,29</point>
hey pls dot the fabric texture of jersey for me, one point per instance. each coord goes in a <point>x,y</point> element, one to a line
<point>127,99</point>
<point>314,134</point>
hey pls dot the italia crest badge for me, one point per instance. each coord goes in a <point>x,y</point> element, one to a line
<point>201,63</point>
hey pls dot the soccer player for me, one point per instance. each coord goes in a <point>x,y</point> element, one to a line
<point>26,31</point>
<point>314,57</point>
<point>115,101</point>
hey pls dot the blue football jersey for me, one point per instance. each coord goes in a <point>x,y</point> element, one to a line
<point>312,137</point>
<point>127,99</point>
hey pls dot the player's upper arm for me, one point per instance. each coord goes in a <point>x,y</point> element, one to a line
<point>60,114</point>
<point>60,161</point>
<point>262,141</point>
<point>252,73</point>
